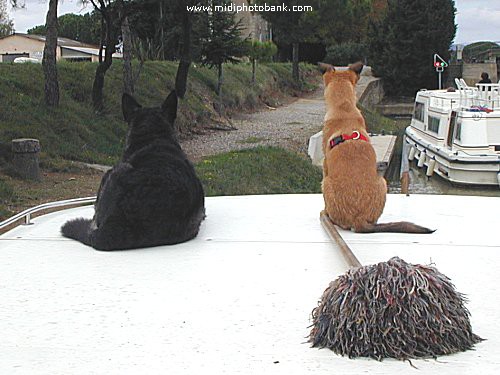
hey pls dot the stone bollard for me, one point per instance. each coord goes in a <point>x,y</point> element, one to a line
<point>26,158</point>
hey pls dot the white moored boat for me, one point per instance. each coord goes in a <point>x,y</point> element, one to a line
<point>456,134</point>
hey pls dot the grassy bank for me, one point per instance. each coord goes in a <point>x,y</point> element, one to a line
<point>378,124</point>
<point>261,170</point>
<point>73,131</point>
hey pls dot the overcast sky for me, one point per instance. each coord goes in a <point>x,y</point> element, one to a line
<point>476,19</point>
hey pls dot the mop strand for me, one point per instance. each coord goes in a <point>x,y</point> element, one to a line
<point>392,310</point>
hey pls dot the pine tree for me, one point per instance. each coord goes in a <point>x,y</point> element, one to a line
<point>402,44</point>
<point>222,42</point>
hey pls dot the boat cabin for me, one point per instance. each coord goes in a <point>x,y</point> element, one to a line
<point>456,133</point>
<point>465,119</point>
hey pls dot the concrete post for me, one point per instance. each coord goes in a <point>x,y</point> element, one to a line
<point>26,158</point>
<point>405,168</point>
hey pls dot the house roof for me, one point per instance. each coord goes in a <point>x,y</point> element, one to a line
<point>67,43</point>
<point>62,42</point>
<point>91,51</point>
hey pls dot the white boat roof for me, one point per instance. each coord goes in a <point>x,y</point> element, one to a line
<point>440,93</point>
<point>235,300</point>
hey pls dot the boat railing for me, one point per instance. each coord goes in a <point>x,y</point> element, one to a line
<point>444,103</point>
<point>485,95</point>
<point>27,214</point>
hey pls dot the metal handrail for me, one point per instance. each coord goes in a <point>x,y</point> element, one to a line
<point>26,214</point>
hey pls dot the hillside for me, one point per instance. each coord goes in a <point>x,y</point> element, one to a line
<point>74,132</point>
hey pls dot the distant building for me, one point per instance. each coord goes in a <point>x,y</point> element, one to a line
<point>253,25</point>
<point>28,45</point>
<point>490,55</point>
<point>456,52</point>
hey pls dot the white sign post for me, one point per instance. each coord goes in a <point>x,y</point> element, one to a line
<point>439,64</point>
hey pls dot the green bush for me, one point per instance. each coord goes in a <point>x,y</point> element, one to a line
<point>261,51</point>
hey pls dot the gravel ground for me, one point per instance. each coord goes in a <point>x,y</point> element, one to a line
<point>288,127</point>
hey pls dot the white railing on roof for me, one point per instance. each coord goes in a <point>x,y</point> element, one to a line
<point>26,215</point>
<point>489,95</point>
<point>483,94</point>
<point>444,103</point>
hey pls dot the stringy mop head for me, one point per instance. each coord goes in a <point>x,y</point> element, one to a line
<point>392,310</point>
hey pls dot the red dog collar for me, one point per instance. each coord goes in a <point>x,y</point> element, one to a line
<point>345,137</point>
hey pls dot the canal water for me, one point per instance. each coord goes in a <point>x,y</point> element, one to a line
<point>420,183</point>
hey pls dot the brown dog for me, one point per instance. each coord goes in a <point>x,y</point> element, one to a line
<point>354,193</point>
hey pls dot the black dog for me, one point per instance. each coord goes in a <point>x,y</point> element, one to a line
<point>152,196</point>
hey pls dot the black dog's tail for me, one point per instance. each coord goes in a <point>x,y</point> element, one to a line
<point>77,229</point>
<point>396,227</point>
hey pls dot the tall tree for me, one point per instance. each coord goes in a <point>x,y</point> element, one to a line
<point>49,65</point>
<point>84,28</point>
<point>288,26</point>
<point>187,16</point>
<point>342,21</point>
<point>49,57</point>
<point>405,40</point>
<point>185,55</point>
<point>128,77</point>
<point>109,37</point>
<point>170,30</point>
<point>6,24</point>
<point>223,42</point>
<point>259,51</point>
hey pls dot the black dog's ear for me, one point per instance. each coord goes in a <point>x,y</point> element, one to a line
<point>356,67</point>
<point>129,106</point>
<point>323,68</point>
<point>169,106</point>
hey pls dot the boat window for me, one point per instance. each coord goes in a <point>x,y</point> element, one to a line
<point>418,114</point>
<point>433,124</point>
<point>458,132</point>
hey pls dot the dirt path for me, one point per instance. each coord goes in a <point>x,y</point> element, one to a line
<point>288,127</point>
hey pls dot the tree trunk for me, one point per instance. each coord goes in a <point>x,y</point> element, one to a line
<point>104,65</point>
<point>162,33</point>
<point>185,61</point>
<point>49,57</point>
<point>128,79</point>
<point>254,63</point>
<point>220,79</point>
<point>295,62</point>
<point>102,39</point>
<point>218,90</point>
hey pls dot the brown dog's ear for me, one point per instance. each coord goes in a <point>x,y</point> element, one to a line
<point>323,68</point>
<point>356,67</point>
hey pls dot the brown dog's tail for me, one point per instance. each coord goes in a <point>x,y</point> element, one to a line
<point>395,227</point>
